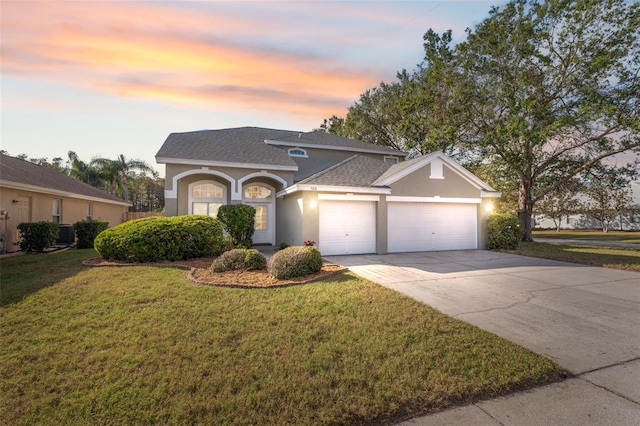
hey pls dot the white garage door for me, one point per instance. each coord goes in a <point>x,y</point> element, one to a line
<point>431,226</point>
<point>347,227</point>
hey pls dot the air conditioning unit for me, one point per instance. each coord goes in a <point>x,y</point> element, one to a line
<point>66,235</point>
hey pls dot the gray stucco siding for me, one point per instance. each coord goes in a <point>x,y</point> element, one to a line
<point>419,184</point>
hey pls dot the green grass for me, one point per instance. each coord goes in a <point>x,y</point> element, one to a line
<point>616,236</point>
<point>140,345</point>
<point>608,257</point>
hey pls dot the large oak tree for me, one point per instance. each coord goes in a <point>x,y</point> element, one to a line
<point>551,89</point>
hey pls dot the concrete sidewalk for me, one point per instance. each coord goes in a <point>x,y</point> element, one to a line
<point>586,318</point>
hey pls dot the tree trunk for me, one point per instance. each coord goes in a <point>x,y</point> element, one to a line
<point>525,208</point>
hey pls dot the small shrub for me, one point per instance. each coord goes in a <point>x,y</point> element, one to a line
<point>37,236</point>
<point>295,261</point>
<point>504,232</point>
<point>238,221</point>
<point>240,258</point>
<point>255,260</point>
<point>282,246</point>
<point>87,231</point>
<point>154,239</point>
<point>229,261</point>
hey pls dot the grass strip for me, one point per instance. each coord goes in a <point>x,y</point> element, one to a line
<point>609,257</point>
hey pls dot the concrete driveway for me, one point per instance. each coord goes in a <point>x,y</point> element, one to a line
<point>586,318</point>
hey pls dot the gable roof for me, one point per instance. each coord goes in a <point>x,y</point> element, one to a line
<point>324,140</point>
<point>241,147</point>
<point>355,171</point>
<point>21,174</point>
<point>402,169</point>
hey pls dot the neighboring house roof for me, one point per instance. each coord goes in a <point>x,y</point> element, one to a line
<point>355,171</point>
<point>20,174</point>
<point>238,147</point>
<point>326,140</point>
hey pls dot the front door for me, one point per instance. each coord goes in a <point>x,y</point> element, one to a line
<point>261,197</point>
<point>19,212</point>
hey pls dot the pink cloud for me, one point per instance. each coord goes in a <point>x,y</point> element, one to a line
<point>101,45</point>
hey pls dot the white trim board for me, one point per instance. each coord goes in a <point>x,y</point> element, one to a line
<point>335,148</point>
<point>403,199</point>
<point>190,162</point>
<point>59,193</point>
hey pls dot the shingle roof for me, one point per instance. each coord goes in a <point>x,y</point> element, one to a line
<point>355,171</point>
<point>397,168</point>
<point>331,140</point>
<point>23,172</point>
<point>238,145</point>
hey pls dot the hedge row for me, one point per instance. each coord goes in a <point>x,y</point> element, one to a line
<point>154,239</point>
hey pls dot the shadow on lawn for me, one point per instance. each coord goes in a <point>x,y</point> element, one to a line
<point>21,276</point>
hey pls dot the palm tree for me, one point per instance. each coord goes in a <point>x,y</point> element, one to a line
<point>82,171</point>
<point>117,171</point>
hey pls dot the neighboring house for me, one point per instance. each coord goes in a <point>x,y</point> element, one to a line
<point>629,221</point>
<point>33,193</point>
<point>346,195</point>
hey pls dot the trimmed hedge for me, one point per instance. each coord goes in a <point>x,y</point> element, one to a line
<point>295,261</point>
<point>37,236</point>
<point>235,259</point>
<point>154,239</point>
<point>87,231</point>
<point>504,232</point>
<point>238,221</point>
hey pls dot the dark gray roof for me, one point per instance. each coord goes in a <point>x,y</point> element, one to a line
<point>330,140</point>
<point>238,145</point>
<point>355,171</point>
<point>23,172</point>
<point>396,168</point>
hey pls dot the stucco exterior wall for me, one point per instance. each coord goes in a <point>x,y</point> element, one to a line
<point>289,218</point>
<point>419,184</point>
<point>40,206</point>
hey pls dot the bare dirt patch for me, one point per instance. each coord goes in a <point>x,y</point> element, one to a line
<point>199,273</point>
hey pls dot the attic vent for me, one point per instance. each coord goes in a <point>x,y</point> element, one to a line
<point>436,169</point>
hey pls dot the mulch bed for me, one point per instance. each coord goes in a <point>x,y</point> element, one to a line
<point>199,273</point>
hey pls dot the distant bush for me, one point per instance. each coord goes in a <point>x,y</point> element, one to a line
<point>87,231</point>
<point>504,231</point>
<point>238,221</point>
<point>37,236</point>
<point>295,261</point>
<point>240,258</point>
<point>154,239</point>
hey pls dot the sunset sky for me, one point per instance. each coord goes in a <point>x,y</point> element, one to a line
<point>104,78</point>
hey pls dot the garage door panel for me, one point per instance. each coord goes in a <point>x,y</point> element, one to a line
<point>347,227</point>
<point>431,226</point>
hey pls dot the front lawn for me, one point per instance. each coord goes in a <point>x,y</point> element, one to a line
<point>568,234</point>
<point>141,345</point>
<point>608,257</point>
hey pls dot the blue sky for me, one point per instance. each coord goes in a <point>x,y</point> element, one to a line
<point>104,78</point>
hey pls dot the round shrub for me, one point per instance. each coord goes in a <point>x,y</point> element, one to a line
<point>295,261</point>
<point>255,260</point>
<point>229,261</point>
<point>235,259</point>
<point>155,239</point>
<point>504,231</point>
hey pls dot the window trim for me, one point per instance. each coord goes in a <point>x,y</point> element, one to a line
<point>191,199</point>
<point>89,211</point>
<point>297,152</point>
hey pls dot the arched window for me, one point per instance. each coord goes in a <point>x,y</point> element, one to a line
<point>256,191</point>
<point>206,197</point>
<point>297,152</point>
